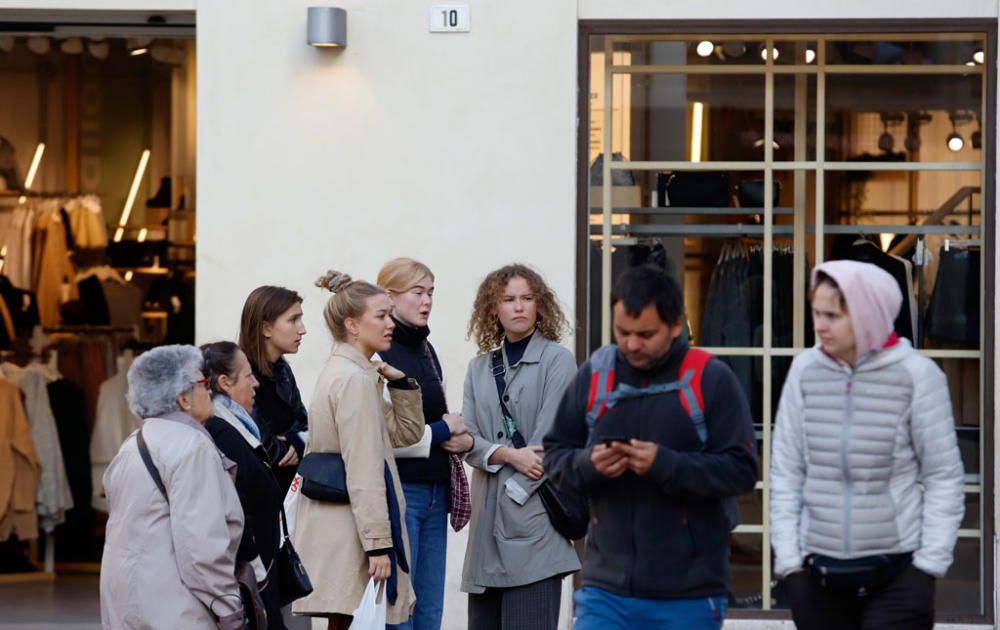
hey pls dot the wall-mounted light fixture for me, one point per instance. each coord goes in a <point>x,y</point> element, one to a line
<point>327,27</point>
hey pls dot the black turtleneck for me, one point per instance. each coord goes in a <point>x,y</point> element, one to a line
<point>515,349</point>
<point>414,356</point>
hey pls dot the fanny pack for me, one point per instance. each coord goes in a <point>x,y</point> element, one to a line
<point>859,577</point>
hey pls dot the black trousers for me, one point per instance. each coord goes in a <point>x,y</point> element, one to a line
<point>530,607</point>
<point>906,603</point>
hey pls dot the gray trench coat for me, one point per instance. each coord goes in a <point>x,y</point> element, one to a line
<point>166,566</point>
<point>511,541</point>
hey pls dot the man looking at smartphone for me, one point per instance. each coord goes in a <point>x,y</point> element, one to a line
<point>661,458</point>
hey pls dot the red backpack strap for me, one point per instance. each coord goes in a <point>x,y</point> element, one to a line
<point>692,400</point>
<point>602,383</point>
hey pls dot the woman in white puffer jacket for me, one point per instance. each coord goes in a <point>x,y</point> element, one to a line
<point>866,477</point>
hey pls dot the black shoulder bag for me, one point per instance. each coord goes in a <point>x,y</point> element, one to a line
<point>254,612</point>
<point>570,514</point>
<point>293,581</point>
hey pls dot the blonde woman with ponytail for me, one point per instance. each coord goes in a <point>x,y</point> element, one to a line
<point>343,545</point>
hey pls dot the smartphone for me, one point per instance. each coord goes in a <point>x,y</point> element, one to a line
<point>608,439</point>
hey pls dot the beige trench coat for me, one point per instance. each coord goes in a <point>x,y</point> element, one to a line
<point>165,566</point>
<point>348,415</point>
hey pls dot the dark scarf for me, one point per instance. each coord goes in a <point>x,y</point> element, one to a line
<point>397,554</point>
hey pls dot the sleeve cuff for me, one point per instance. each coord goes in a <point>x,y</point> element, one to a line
<point>439,432</point>
<point>404,383</point>
<point>491,468</point>
<point>379,552</point>
<point>295,441</point>
<point>517,494</point>
<point>585,467</point>
<point>664,465</point>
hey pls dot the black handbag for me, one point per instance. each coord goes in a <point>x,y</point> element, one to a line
<point>324,477</point>
<point>569,514</point>
<point>293,581</point>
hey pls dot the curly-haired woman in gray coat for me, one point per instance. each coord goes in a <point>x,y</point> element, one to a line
<point>866,477</point>
<point>169,557</point>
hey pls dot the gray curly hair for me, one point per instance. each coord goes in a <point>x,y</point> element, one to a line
<point>159,376</point>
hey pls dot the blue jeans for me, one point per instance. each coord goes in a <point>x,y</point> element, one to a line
<point>427,530</point>
<point>597,609</point>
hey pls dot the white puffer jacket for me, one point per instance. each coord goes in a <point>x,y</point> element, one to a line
<point>865,461</point>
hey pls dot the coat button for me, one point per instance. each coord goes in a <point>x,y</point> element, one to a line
<point>506,398</point>
<point>499,435</point>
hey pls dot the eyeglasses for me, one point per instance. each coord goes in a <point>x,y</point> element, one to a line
<point>204,382</point>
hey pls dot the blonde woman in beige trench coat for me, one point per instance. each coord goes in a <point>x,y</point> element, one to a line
<point>343,545</point>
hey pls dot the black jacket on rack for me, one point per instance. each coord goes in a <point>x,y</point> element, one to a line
<point>278,411</point>
<point>413,355</point>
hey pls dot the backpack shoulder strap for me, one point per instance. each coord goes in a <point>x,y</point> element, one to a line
<point>692,368</point>
<point>602,383</point>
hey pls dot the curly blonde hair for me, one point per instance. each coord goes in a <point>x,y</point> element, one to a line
<point>484,325</point>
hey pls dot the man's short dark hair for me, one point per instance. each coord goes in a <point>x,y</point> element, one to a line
<point>641,286</point>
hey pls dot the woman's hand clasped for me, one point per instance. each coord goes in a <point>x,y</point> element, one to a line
<point>527,461</point>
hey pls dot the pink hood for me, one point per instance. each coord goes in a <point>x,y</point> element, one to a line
<point>873,300</point>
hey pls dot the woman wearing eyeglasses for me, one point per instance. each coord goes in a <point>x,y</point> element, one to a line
<point>170,551</point>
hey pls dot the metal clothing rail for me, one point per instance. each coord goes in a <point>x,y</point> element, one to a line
<point>684,211</point>
<point>753,230</point>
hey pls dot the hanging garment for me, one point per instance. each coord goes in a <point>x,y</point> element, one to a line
<point>86,363</point>
<point>113,424</point>
<point>15,234</point>
<point>87,224</point>
<point>74,538</point>
<point>19,467</point>
<point>21,307</point>
<point>51,268</point>
<point>953,313</point>
<point>54,495</point>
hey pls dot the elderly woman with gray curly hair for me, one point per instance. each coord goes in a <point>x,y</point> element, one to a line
<point>171,542</point>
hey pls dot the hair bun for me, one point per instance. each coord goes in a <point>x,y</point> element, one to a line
<point>334,281</point>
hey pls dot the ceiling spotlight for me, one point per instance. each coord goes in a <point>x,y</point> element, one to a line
<point>970,63</point>
<point>763,53</point>
<point>72,46</point>
<point>138,51</point>
<point>955,142</point>
<point>979,56</point>
<point>759,142</point>
<point>705,48</point>
<point>6,43</point>
<point>39,45</point>
<point>810,55</point>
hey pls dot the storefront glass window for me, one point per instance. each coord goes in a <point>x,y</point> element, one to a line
<point>740,161</point>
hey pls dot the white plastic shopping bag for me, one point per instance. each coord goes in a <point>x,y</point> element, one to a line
<point>292,500</point>
<point>370,614</point>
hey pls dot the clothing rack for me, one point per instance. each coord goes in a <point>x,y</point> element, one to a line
<point>684,211</point>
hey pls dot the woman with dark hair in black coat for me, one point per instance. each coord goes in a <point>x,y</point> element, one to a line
<point>271,327</point>
<point>236,434</point>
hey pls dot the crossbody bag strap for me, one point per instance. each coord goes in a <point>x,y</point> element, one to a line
<point>147,459</point>
<point>499,371</point>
